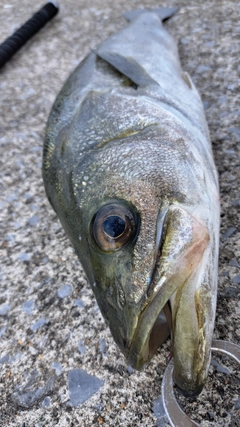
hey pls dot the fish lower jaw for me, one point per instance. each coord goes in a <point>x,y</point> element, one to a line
<point>147,341</point>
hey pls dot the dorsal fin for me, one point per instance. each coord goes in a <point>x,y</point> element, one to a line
<point>163,13</point>
<point>128,67</point>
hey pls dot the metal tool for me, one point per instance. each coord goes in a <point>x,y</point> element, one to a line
<point>176,417</point>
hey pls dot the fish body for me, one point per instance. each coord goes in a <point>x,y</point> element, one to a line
<point>129,170</point>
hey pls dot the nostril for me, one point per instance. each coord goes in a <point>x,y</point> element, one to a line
<point>124,343</point>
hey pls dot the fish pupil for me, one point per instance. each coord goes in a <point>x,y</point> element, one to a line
<point>114,226</point>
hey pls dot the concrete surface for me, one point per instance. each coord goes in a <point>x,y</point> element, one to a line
<point>53,338</point>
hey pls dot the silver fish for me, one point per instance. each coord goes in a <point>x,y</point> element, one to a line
<point>129,170</point>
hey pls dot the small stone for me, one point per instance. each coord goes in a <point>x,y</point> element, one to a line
<point>82,386</point>
<point>130,370</point>
<point>102,346</point>
<point>205,105</point>
<point>2,331</point>
<point>57,367</point>
<point>46,402</point>
<point>211,415</point>
<point>26,396</point>
<point>12,198</point>
<point>65,291</point>
<point>225,274</point>
<point>79,303</point>
<point>202,69</point>
<point>236,203</point>
<point>38,324</point>
<point>237,404</point>
<point>234,263</point>
<point>230,292</point>
<point>230,152</point>
<point>236,279</point>
<point>220,368</point>
<point>4,359</point>
<point>33,220</point>
<point>76,314</point>
<point>28,306</point>
<point>229,232</point>
<point>210,43</point>
<point>4,309</point>
<point>25,256</point>
<point>236,132</point>
<point>99,406</point>
<point>9,237</point>
<point>81,347</point>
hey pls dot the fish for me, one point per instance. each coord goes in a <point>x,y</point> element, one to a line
<point>128,167</point>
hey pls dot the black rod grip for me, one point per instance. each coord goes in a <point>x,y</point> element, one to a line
<point>13,43</point>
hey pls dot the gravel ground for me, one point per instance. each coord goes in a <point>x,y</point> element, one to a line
<point>52,333</point>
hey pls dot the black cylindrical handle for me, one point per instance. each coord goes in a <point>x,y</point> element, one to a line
<point>13,43</point>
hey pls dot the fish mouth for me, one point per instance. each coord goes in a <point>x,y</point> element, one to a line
<point>176,303</point>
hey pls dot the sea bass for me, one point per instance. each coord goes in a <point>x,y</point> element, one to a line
<point>129,170</point>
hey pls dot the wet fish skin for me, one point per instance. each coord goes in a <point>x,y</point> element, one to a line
<point>127,135</point>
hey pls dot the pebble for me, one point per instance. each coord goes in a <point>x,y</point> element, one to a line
<point>65,291</point>
<point>28,306</point>
<point>220,368</point>
<point>33,220</point>
<point>225,274</point>
<point>210,43</point>
<point>205,105</point>
<point>236,279</point>
<point>237,403</point>
<point>81,348</point>
<point>25,256</point>
<point>9,238</point>
<point>99,406</point>
<point>236,203</point>
<point>4,359</point>
<point>202,69</point>
<point>102,346</point>
<point>27,398</point>
<point>236,132</point>
<point>230,292</point>
<point>4,309</point>
<point>57,367</point>
<point>2,331</point>
<point>79,303</point>
<point>130,370</point>
<point>82,386</point>
<point>38,324</point>
<point>234,263</point>
<point>229,232</point>
<point>46,402</point>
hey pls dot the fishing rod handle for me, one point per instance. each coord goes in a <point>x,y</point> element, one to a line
<point>13,43</point>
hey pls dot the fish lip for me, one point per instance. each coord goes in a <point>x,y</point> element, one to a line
<point>139,351</point>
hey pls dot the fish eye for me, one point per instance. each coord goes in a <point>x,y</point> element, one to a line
<point>114,226</point>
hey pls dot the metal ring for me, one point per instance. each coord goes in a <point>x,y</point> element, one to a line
<point>176,416</point>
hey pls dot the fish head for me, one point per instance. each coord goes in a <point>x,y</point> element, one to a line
<point>134,225</point>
